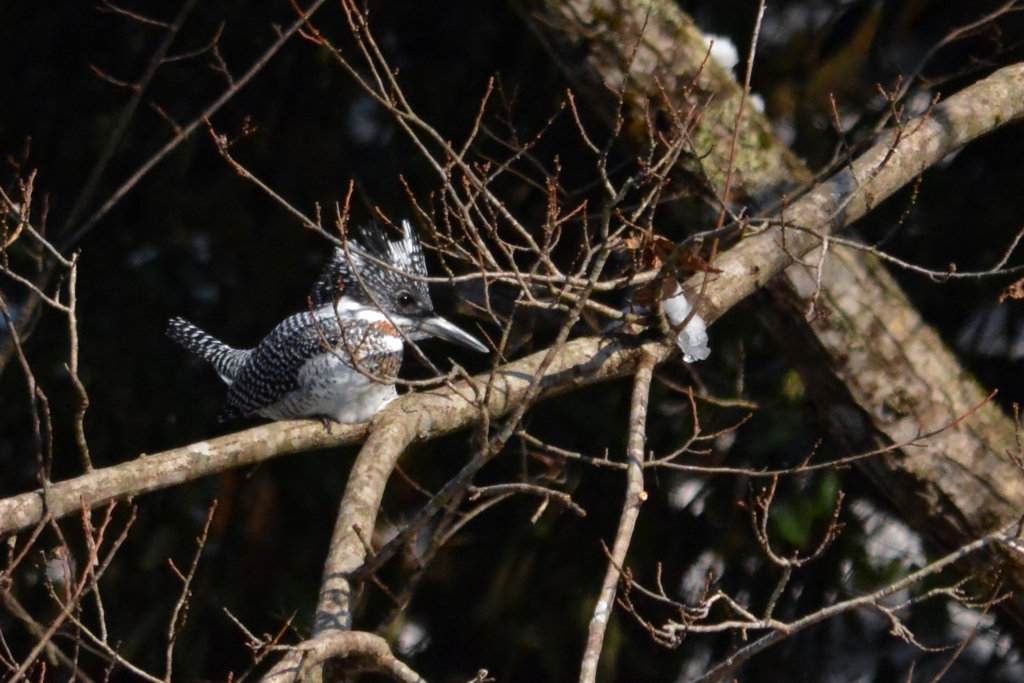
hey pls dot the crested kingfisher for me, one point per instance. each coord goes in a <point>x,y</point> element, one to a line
<point>339,359</point>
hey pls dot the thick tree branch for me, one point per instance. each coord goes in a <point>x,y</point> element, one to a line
<point>893,162</point>
<point>363,651</point>
<point>368,647</point>
<point>170,468</point>
<point>425,415</point>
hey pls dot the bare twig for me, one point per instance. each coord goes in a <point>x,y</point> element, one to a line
<point>283,37</point>
<point>781,630</point>
<point>180,612</point>
<point>138,88</point>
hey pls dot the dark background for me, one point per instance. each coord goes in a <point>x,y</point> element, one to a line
<point>196,240</point>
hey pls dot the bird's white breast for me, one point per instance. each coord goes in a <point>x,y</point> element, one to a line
<point>328,387</point>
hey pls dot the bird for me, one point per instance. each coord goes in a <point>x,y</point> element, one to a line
<point>338,360</point>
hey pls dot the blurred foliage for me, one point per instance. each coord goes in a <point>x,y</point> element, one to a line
<point>508,594</point>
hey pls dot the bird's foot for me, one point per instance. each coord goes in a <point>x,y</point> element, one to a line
<point>327,422</point>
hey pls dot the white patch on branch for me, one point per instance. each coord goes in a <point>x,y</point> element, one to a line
<point>601,611</point>
<point>693,338</point>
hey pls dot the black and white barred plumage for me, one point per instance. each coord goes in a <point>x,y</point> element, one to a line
<point>340,359</point>
<point>356,272</point>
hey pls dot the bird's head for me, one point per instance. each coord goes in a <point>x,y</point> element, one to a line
<point>377,273</point>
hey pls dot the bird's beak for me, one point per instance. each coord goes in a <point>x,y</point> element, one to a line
<point>442,329</point>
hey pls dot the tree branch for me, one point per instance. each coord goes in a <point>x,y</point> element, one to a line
<point>851,193</point>
<point>170,468</point>
<point>635,496</point>
<point>424,415</point>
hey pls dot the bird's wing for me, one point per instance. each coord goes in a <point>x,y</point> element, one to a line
<point>273,369</point>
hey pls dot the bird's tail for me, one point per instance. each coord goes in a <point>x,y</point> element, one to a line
<point>226,360</point>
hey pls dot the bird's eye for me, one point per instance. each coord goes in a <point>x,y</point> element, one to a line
<point>406,300</point>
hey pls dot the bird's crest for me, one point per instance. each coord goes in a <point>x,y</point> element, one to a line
<point>353,271</point>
